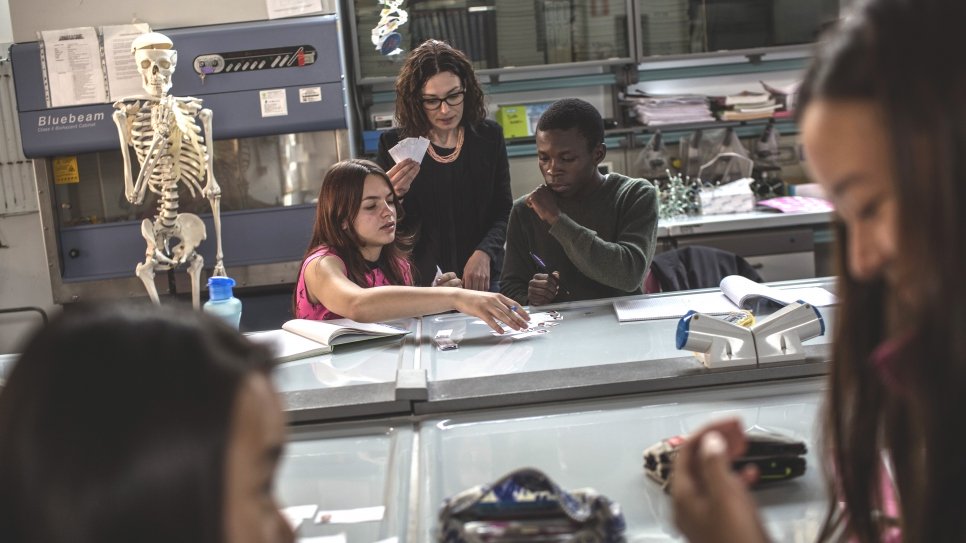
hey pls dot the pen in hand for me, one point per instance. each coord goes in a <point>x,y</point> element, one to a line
<point>543,268</point>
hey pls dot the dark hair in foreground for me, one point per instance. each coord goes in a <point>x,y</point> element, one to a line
<point>340,199</point>
<point>430,58</point>
<point>114,426</point>
<point>574,113</point>
<point>918,83</point>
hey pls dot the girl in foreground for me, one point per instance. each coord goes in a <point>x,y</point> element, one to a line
<point>354,247</point>
<point>124,423</point>
<point>883,120</point>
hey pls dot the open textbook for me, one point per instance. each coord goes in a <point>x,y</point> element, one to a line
<point>737,292</point>
<point>302,338</point>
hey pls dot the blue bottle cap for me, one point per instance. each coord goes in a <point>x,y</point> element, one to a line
<point>219,288</point>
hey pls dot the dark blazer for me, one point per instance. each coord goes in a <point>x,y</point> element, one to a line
<point>459,207</point>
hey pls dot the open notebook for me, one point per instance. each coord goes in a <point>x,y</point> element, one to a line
<point>302,338</point>
<point>737,292</point>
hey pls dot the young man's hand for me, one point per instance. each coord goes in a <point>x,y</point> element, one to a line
<point>543,288</point>
<point>543,202</point>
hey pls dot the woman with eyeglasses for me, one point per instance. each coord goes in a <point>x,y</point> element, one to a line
<point>457,200</point>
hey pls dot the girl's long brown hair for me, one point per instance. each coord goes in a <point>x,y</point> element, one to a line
<point>900,55</point>
<point>430,58</point>
<point>340,199</point>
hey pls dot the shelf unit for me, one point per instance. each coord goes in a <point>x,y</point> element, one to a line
<point>612,74</point>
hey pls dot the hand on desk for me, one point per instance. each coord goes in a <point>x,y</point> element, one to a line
<point>543,288</point>
<point>402,174</point>
<point>491,307</point>
<point>712,503</point>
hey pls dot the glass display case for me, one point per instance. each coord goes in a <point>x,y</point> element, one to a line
<point>681,27</point>
<point>253,173</point>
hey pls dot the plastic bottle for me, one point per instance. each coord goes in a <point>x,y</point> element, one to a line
<point>221,302</point>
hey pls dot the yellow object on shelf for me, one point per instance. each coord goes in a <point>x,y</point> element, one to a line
<point>513,119</point>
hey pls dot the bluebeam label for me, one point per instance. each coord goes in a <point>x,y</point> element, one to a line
<point>70,120</point>
<point>68,131</point>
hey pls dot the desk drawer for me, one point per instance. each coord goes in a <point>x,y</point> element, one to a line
<point>754,243</point>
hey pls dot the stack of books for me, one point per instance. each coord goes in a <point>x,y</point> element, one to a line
<point>747,106</point>
<point>654,110</point>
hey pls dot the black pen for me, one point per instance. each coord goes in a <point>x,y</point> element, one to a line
<point>542,268</point>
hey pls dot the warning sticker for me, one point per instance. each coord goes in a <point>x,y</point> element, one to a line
<point>310,94</point>
<point>273,103</point>
<point>65,170</point>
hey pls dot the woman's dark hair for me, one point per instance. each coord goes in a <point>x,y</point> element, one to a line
<point>114,427</point>
<point>574,113</point>
<point>901,56</point>
<point>340,199</point>
<point>430,58</point>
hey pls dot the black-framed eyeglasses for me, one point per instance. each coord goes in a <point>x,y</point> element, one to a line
<point>454,99</point>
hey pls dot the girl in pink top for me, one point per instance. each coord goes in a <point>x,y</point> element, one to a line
<point>883,118</point>
<point>357,268</point>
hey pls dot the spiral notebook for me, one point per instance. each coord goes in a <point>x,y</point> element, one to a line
<point>737,292</point>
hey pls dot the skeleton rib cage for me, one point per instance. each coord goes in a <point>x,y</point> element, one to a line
<point>178,155</point>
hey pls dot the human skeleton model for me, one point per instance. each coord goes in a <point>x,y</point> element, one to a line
<point>170,148</point>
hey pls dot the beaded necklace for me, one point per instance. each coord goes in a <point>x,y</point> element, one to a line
<point>452,156</point>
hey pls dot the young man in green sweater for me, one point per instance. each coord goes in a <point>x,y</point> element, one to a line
<point>581,235</point>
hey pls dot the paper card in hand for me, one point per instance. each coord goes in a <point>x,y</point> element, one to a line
<point>414,148</point>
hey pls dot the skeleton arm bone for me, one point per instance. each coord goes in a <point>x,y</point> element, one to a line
<point>211,185</point>
<point>124,134</point>
<point>212,191</point>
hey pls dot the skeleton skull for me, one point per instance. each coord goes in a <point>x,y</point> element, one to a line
<point>156,61</point>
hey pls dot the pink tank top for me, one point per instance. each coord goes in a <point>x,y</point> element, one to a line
<point>305,309</point>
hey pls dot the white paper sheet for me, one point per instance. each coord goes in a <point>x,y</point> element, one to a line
<point>74,72</point>
<point>298,513</point>
<point>337,538</point>
<point>291,8</point>
<point>351,516</point>
<point>123,79</point>
<point>709,303</point>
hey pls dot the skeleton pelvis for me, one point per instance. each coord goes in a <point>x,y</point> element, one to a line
<point>188,231</point>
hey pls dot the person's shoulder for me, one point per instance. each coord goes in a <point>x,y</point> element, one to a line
<point>626,184</point>
<point>322,251</point>
<point>487,130</point>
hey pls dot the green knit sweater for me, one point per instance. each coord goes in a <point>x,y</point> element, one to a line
<point>601,245</point>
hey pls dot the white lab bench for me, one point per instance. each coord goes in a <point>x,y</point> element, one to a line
<point>579,403</point>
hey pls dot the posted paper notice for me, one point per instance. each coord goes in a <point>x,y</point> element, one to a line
<point>74,72</point>
<point>123,79</point>
<point>292,8</point>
